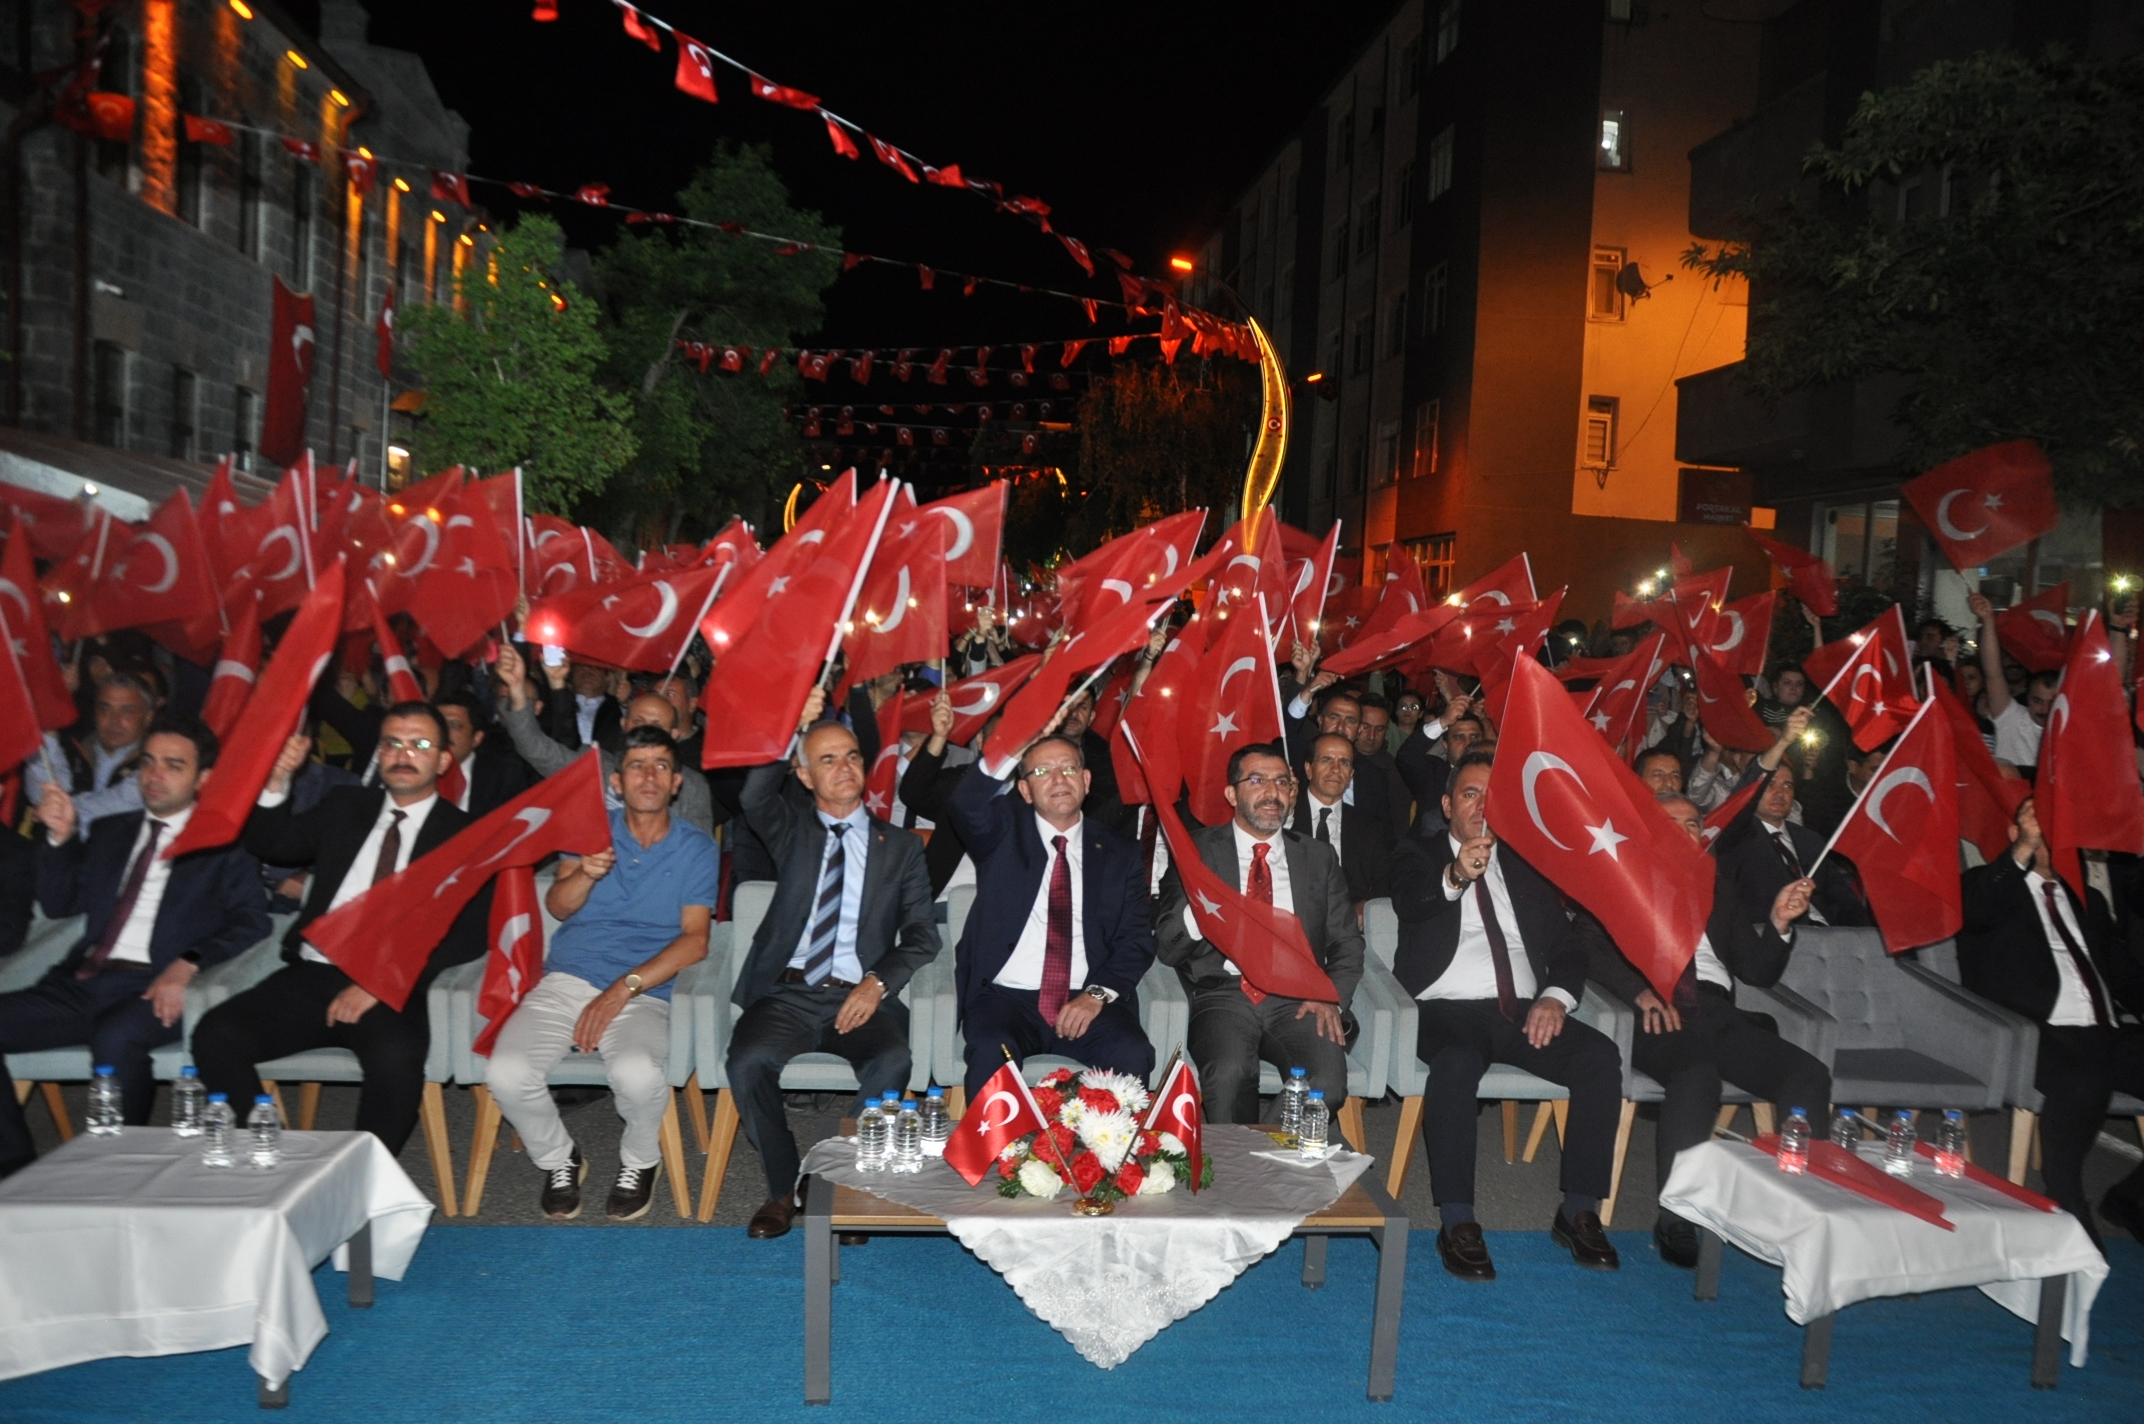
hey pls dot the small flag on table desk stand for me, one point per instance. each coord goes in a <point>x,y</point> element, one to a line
<point>1180,1108</point>
<point>1001,1115</point>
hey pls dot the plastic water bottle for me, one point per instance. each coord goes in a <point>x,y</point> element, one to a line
<point>937,1123</point>
<point>1794,1143</point>
<point>104,1116</point>
<point>267,1130</point>
<point>217,1126</point>
<point>188,1096</point>
<point>872,1136</point>
<point>1950,1144</point>
<point>908,1138</point>
<point>1846,1130</point>
<point>1291,1101</point>
<point>1898,1145</point>
<point>1310,1132</point>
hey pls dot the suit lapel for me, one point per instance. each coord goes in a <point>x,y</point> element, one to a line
<point>1306,886</point>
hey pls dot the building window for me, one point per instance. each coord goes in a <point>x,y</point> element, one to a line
<point>1396,324</point>
<point>184,413</point>
<point>1344,140</point>
<point>1366,225</point>
<point>1410,69</point>
<point>1356,455</point>
<point>1440,165</point>
<point>1388,452</point>
<point>193,208</point>
<point>249,194</point>
<point>110,395</point>
<point>1427,416</point>
<point>245,410</point>
<point>1860,541</point>
<point>116,76</point>
<point>1403,210</point>
<point>1359,355</point>
<point>1615,141</point>
<point>1433,295</point>
<point>1447,29</point>
<point>1600,432</point>
<point>1340,249</point>
<point>1433,556</point>
<point>1604,301</point>
<point>301,228</point>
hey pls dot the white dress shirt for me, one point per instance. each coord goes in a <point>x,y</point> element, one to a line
<point>1316,807</point>
<point>1023,970</point>
<point>1276,861</point>
<point>468,766</point>
<point>2073,1001</point>
<point>1472,972</point>
<point>132,946</point>
<point>855,853</point>
<point>584,716</point>
<point>358,879</point>
<point>1709,968</point>
<point>1780,835</point>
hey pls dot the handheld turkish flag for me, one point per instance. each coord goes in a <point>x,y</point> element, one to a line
<point>402,684</point>
<point>384,333</point>
<point>515,961</point>
<point>20,735</point>
<point>1987,799</point>
<point>1233,702</point>
<point>237,669</point>
<point>1001,1115</point>
<point>229,527</point>
<point>1902,836</point>
<point>1981,506</point>
<point>56,525</point>
<point>900,616</point>
<point>1739,634</point>
<point>416,523</point>
<point>882,782</point>
<point>1510,583</point>
<point>641,625</point>
<point>1617,708</point>
<point>281,565</point>
<point>770,580</point>
<point>1127,568</point>
<point>1403,596</point>
<point>158,580</point>
<point>1310,583</point>
<point>472,584</point>
<point>290,376</point>
<point>1872,686</point>
<point>1698,602</point>
<point>23,613</point>
<point>975,531</point>
<point>271,714</point>
<point>1565,802</point>
<point>1151,716</point>
<point>2036,632</point>
<point>1808,577</point>
<point>1724,707</point>
<point>1525,634</point>
<point>1722,816</point>
<point>1361,654</point>
<point>974,699</point>
<point>1180,1110</point>
<point>2086,789</point>
<point>564,557</point>
<point>1253,567</point>
<point>383,937</point>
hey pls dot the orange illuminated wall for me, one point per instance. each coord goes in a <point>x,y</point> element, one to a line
<point>160,105</point>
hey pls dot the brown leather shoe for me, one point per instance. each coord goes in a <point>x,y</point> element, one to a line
<point>1586,1241</point>
<point>773,1219</point>
<point>1465,1254</point>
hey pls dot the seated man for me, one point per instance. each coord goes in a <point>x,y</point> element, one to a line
<point>1062,930</point>
<point>151,925</point>
<point>851,923</point>
<point>1326,815</point>
<point>1764,849</point>
<point>1486,946</point>
<point>1230,1029</point>
<point>1698,1037</point>
<point>492,773</point>
<point>98,770</point>
<point>353,838</point>
<point>633,917</point>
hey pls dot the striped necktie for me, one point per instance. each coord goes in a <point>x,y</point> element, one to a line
<point>826,912</point>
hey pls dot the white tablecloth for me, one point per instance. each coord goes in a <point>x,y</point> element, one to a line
<point>127,1245</point>
<point>1109,1284</point>
<point>1837,1247</point>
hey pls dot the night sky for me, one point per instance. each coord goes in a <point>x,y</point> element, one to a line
<point>1135,122</point>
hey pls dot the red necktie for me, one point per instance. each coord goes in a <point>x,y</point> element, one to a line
<point>2083,965</point>
<point>124,910</point>
<point>1507,994</point>
<point>1057,941</point>
<point>1261,890</point>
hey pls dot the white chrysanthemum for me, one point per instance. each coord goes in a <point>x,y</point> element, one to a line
<point>1171,1143</point>
<point>1161,1177</point>
<point>1109,1136</point>
<point>1131,1094</point>
<point>1071,1111</point>
<point>1038,1179</point>
<point>1011,1153</point>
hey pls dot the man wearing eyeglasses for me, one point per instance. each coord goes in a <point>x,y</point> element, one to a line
<point>354,837</point>
<point>1062,930</point>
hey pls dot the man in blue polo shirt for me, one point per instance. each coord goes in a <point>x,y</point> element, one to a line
<point>633,917</point>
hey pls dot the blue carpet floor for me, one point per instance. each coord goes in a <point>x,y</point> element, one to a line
<point>529,1323</point>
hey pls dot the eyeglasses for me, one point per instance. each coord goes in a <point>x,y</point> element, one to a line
<point>407,744</point>
<point>1044,773</point>
<point>1258,782</point>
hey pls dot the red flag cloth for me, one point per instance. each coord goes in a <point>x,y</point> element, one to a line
<point>839,138</point>
<point>639,29</point>
<point>77,576</point>
<point>772,577</point>
<point>1722,816</point>
<point>900,617</point>
<point>515,960</point>
<point>1402,595</point>
<point>1565,802</point>
<point>271,714</point>
<point>1254,565</point>
<point>157,574</point>
<point>1362,654</point>
<point>775,93</point>
<point>734,545</point>
<point>22,612</point>
<point>1808,577</point>
<point>1180,1110</point>
<point>1234,701</point>
<point>1264,942</point>
<point>1310,584</point>
<point>1109,705</point>
<point>760,680</point>
<point>2086,790</point>
<point>200,129</point>
<point>1741,632</point>
<point>1902,836</point>
<point>1872,685</point>
<point>695,68</point>
<point>975,532</point>
<point>1981,506</point>
<point>882,779</point>
<point>891,157</point>
<point>55,525</point>
<point>402,684</point>
<point>1510,582</point>
<point>281,566</point>
<point>1987,799</point>
<point>1031,708</point>
<point>2037,632</point>
<point>472,584</point>
<point>1001,1115</point>
<point>1845,1169</point>
<point>1679,564</point>
<point>416,519</point>
<point>1125,565</point>
<point>451,187</point>
<point>974,699</point>
<point>383,937</point>
<point>1078,252</point>
<point>1525,639</point>
<point>502,496</point>
<point>1698,601</point>
<point>21,736</point>
<point>290,376</point>
<point>1724,707</point>
<point>228,527</point>
<point>237,669</point>
<point>1151,718</point>
<point>641,624</point>
<point>383,329</point>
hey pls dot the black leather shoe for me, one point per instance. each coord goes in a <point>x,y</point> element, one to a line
<point>2123,1212</point>
<point>1586,1241</point>
<point>855,1238</point>
<point>1677,1240</point>
<point>1464,1252</point>
<point>561,1199</point>
<point>773,1219</point>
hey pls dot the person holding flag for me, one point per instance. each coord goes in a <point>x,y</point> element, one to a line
<point>1768,849</point>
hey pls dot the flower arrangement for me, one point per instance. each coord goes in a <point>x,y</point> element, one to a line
<point>1095,1131</point>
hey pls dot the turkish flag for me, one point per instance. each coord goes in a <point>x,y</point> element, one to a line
<point>229,527</point>
<point>1987,799</point>
<point>1522,641</point>
<point>21,736</point>
<point>281,566</point>
<point>1151,717</point>
<point>415,518</point>
<point>563,557</point>
<point>760,679</point>
<point>695,68</point>
<point>1722,816</point>
<point>771,579</point>
<point>1360,654</point>
<point>402,684</point>
<point>639,29</point>
<point>1180,1110</point>
<point>1740,632</point>
<point>1125,566</point>
<point>2036,632</point>
<point>974,699</point>
<point>775,93</point>
<point>201,129</point>
<point>237,669</point>
<point>1902,836</point>
<point>975,532</point>
<point>1617,708</point>
<point>451,187</point>
<point>1808,577</point>
<point>1253,565</point>
<point>1724,707</point>
<point>470,585</point>
<point>1981,506</point>
<point>1310,583</point>
<point>1872,686</point>
<point>55,525</point>
<point>1566,803</point>
<point>882,780</point>
<point>22,613</point>
<point>900,616</point>
<point>515,960</point>
<point>1469,641</point>
<point>384,332</point>
<point>383,937</point>
<point>2086,789</point>
<point>734,545</point>
<point>72,581</point>
<point>290,376</point>
<point>1109,705</point>
<point>1234,701</point>
<point>158,579</point>
<point>1698,602</point>
<point>1511,582</point>
<point>1001,1115</point>
<point>1402,596</point>
<point>271,714</point>
<point>642,624</point>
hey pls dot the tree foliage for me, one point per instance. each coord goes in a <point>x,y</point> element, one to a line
<point>2019,312</point>
<point>510,374</point>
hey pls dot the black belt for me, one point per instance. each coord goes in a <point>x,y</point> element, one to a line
<point>796,976</point>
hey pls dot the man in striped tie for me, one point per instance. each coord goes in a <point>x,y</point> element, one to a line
<point>851,922</point>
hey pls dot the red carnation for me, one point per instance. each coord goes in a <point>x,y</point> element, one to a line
<point>1129,1176</point>
<point>1149,1144</point>
<point>1009,1167</point>
<point>1049,1100</point>
<point>1065,1138</point>
<point>1087,1172</point>
<point>1062,1075</point>
<point>1099,1100</point>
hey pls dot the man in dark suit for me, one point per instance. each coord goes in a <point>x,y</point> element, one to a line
<point>1230,1032</point>
<point>1062,930</point>
<point>1362,841</point>
<point>851,923</point>
<point>1763,851</point>
<point>579,711</point>
<point>1104,804</point>
<point>2032,945</point>
<point>1424,761</point>
<point>1486,947</point>
<point>926,791</point>
<point>492,772</point>
<point>151,925</point>
<point>1374,761</point>
<point>353,838</point>
<point>1695,1038</point>
<point>18,889</point>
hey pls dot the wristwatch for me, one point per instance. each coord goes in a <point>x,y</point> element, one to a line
<point>1097,992</point>
<point>632,986</point>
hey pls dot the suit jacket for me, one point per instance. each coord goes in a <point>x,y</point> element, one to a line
<point>1322,903</point>
<point>18,889</point>
<point>1424,774</point>
<point>1750,859</point>
<point>927,788</point>
<point>1366,842</point>
<point>1398,795</point>
<point>328,838</point>
<point>500,776</point>
<point>213,907</point>
<point>2004,954</point>
<point>1429,923</point>
<point>897,927</point>
<point>1116,917</point>
<point>1753,952</point>
<point>1105,803</point>
<point>562,720</point>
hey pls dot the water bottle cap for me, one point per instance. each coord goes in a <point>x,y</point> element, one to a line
<point>189,1071</point>
<point>1296,1072</point>
<point>1797,1112</point>
<point>1952,1114</point>
<point>1903,1115</point>
<point>935,1092</point>
<point>219,1097</point>
<point>263,1098</point>
<point>1317,1095</point>
<point>908,1105</point>
<point>104,1070</point>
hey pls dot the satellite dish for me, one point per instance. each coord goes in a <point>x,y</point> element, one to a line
<point>1632,284</point>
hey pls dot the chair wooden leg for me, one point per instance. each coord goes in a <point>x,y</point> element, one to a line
<point>1511,1131</point>
<point>1351,1124</point>
<point>1539,1130</point>
<point>696,1108</point>
<point>1726,1119</point>
<point>2021,1125</point>
<point>23,1090</point>
<point>433,1116</point>
<point>1967,1119</point>
<point>672,1138</point>
<point>308,1105</point>
<point>58,1107</point>
<point>2037,1164</point>
<point>481,1145</point>
<point>1622,1150</point>
<point>956,1102</point>
<point>1562,1113</point>
<point>722,1136</point>
<point>275,1091</point>
<point>1403,1145</point>
<point>1761,1115</point>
